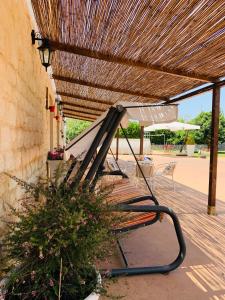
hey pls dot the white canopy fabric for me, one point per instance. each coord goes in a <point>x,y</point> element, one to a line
<point>145,115</point>
<point>81,143</point>
<point>183,126</point>
<point>173,126</point>
<point>148,114</point>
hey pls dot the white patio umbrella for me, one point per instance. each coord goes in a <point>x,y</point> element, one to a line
<point>173,126</point>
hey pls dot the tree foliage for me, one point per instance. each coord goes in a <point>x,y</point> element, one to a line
<point>203,135</point>
<point>75,127</point>
<point>132,131</point>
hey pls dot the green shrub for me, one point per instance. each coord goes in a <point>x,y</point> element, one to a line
<point>57,238</point>
<point>132,131</point>
<point>75,127</point>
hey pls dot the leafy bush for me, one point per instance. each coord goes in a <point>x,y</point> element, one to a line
<point>75,127</point>
<point>52,247</point>
<point>132,131</point>
<point>203,135</point>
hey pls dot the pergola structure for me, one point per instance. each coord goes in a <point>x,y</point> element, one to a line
<point>135,50</point>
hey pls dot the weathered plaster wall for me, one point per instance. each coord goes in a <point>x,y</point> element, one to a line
<point>24,121</point>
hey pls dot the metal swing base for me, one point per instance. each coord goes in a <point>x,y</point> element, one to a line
<point>163,269</point>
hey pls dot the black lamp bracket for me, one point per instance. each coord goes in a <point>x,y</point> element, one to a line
<point>35,36</point>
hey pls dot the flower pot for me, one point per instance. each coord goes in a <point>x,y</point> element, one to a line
<point>52,108</point>
<point>95,296</point>
<point>53,165</point>
<point>190,150</point>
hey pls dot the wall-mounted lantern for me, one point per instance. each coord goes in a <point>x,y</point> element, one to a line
<point>59,103</point>
<point>45,50</point>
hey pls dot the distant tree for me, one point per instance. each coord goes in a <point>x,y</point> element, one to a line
<point>177,137</point>
<point>203,135</point>
<point>132,131</point>
<point>75,127</point>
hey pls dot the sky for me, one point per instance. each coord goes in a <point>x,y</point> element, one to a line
<point>190,108</point>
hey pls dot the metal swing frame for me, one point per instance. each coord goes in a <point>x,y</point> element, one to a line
<point>106,133</point>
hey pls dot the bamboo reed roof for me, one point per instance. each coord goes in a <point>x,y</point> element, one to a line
<point>133,50</point>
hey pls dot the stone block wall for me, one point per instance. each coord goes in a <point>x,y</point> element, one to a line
<point>24,120</point>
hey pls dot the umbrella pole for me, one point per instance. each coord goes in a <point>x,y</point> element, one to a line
<point>141,142</point>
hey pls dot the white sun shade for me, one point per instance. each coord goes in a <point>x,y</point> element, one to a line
<point>147,115</point>
<point>81,143</point>
<point>173,126</point>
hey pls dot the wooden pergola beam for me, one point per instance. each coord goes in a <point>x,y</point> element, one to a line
<point>64,103</point>
<point>131,63</point>
<point>107,88</point>
<point>78,117</point>
<point>81,117</point>
<point>197,92</point>
<point>82,112</point>
<point>214,150</point>
<point>75,96</point>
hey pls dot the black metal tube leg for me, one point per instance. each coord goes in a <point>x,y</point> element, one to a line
<point>154,269</point>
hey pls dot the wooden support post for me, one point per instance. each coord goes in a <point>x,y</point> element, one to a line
<point>141,142</point>
<point>58,127</point>
<point>117,144</point>
<point>214,151</point>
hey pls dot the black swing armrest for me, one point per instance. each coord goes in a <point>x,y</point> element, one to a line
<point>139,199</point>
<point>156,269</point>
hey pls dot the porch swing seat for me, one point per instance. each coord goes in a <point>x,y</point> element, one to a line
<point>124,192</point>
<point>140,208</point>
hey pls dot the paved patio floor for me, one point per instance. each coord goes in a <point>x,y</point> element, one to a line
<point>202,274</point>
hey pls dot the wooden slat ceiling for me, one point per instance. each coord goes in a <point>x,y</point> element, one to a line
<point>134,50</point>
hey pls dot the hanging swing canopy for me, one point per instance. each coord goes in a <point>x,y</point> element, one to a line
<point>143,113</point>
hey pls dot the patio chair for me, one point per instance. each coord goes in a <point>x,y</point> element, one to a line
<point>125,197</point>
<point>166,169</point>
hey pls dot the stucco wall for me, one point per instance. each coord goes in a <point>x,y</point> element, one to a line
<point>24,121</point>
<point>135,144</point>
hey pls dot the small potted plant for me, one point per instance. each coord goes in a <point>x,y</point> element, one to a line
<point>51,248</point>
<point>55,160</point>
<point>190,145</point>
<point>56,154</point>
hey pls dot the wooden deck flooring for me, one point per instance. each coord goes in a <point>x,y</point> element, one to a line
<point>202,274</point>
